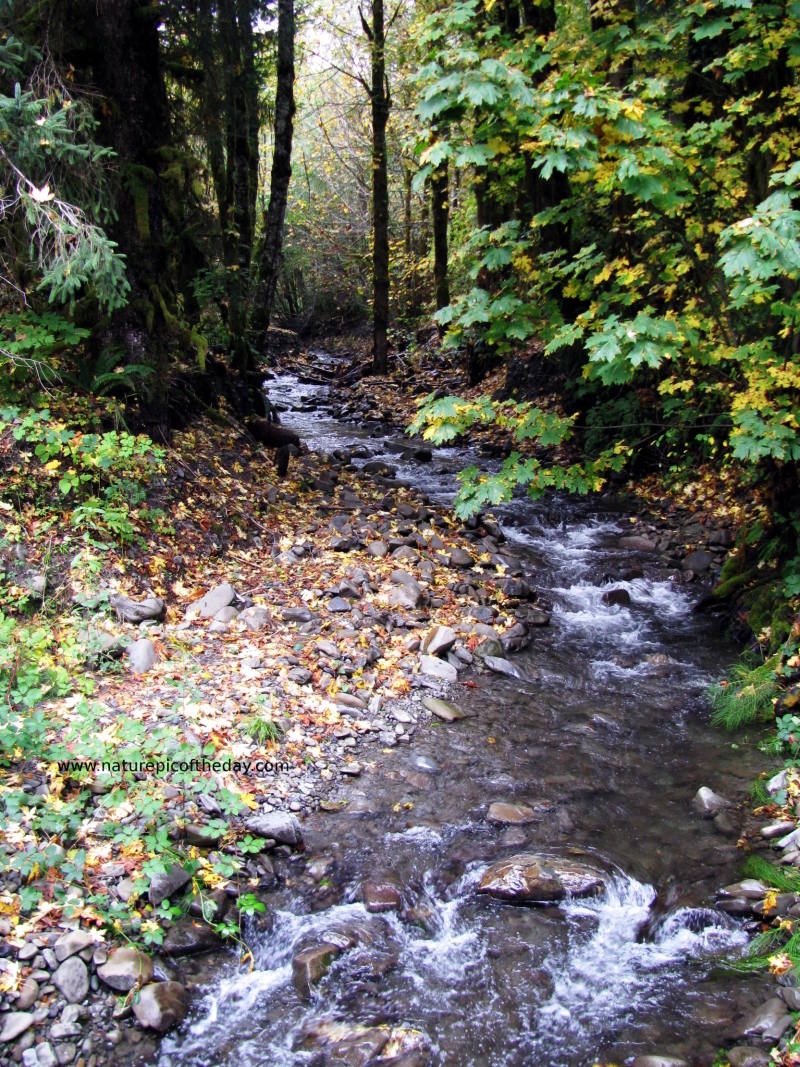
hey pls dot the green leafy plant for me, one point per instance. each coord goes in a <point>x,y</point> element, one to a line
<point>746,696</point>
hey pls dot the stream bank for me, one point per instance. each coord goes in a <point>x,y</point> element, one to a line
<point>589,742</point>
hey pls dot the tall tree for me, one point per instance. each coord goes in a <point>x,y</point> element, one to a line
<point>275,216</point>
<point>380,102</point>
<point>440,212</point>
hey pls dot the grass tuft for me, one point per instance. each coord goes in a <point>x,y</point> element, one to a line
<point>746,695</point>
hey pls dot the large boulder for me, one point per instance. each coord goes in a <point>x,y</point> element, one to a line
<point>528,878</point>
<point>160,1006</point>
<point>279,825</point>
<point>125,968</point>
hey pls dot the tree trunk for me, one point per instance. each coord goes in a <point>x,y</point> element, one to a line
<point>440,210</point>
<point>281,165</point>
<point>379,99</point>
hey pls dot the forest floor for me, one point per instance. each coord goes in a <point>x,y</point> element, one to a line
<point>233,661</point>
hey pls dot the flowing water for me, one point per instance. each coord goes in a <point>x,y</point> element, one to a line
<point>607,739</point>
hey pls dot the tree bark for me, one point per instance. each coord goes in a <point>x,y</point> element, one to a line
<point>380,103</point>
<point>271,253</point>
<point>440,211</point>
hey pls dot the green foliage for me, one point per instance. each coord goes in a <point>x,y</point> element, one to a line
<point>746,695</point>
<point>644,169</point>
<point>263,730</point>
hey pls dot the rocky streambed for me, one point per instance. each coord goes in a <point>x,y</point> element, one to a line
<point>506,861</point>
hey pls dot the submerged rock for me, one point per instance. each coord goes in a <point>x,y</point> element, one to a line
<point>510,814</point>
<point>443,709</point>
<point>531,878</point>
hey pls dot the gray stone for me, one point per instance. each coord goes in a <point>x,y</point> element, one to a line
<point>698,561</point>
<point>279,825</point>
<point>338,603</point>
<point>660,1061</point>
<point>299,615</point>
<point>762,1019</point>
<point>405,596</point>
<point>443,709</point>
<point>45,1057</point>
<point>748,1056</point>
<point>377,549</point>
<point>160,1006</point>
<point>530,878</point>
<point>27,995</point>
<point>619,597</point>
<point>255,618</point>
<point>14,1024</point>
<point>438,668</point>
<point>439,640</point>
<point>65,1053</point>
<point>72,979</point>
<point>226,614</point>
<point>500,665</point>
<point>71,943</point>
<point>142,655</point>
<point>460,558</point>
<point>187,937</point>
<point>167,884</point>
<point>130,611</point>
<point>215,599</point>
<point>708,803</point>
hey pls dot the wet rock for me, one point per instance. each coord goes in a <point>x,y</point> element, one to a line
<point>215,599</point>
<point>708,803</point>
<point>379,896</point>
<point>530,878</point>
<point>777,829</point>
<point>637,543</point>
<point>518,589</point>
<point>166,884</point>
<point>281,826</point>
<point>15,1023</point>
<point>698,561</point>
<point>660,1061</point>
<point>500,665</point>
<point>620,597</point>
<point>160,1006</point>
<point>312,964</point>
<point>128,610</point>
<point>350,1044</point>
<point>764,1020</point>
<point>748,889</point>
<point>516,638</point>
<point>439,640</point>
<point>71,978</point>
<point>142,655</point>
<point>438,668</point>
<point>443,709</point>
<point>510,814</point>
<point>125,968</point>
<point>747,1056</point>
<point>187,937</point>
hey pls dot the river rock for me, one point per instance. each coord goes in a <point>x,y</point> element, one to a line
<point>438,668</point>
<point>460,558</point>
<point>130,611</point>
<point>764,1020</point>
<point>500,665</point>
<point>72,979</point>
<point>637,543</point>
<point>708,803</point>
<point>279,825</point>
<point>166,884</point>
<point>530,878</point>
<point>255,618</point>
<point>747,1056</point>
<point>439,640</point>
<point>405,596</point>
<point>215,599</point>
<point>142,655</point>
<point>73,942</point>
<point>660,1061</point>
<point>125,968</point>
<point>510,814</point>
<point>28,995</point>
<point>619,597</point>
<point>186,937</point>
<point>698,561</point>
<point>377,549</point>
<point>311,964</point>
<point>160,1006</point>
<point>379,896</point>
<point>14,1024</point>
<point>443,709</point>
